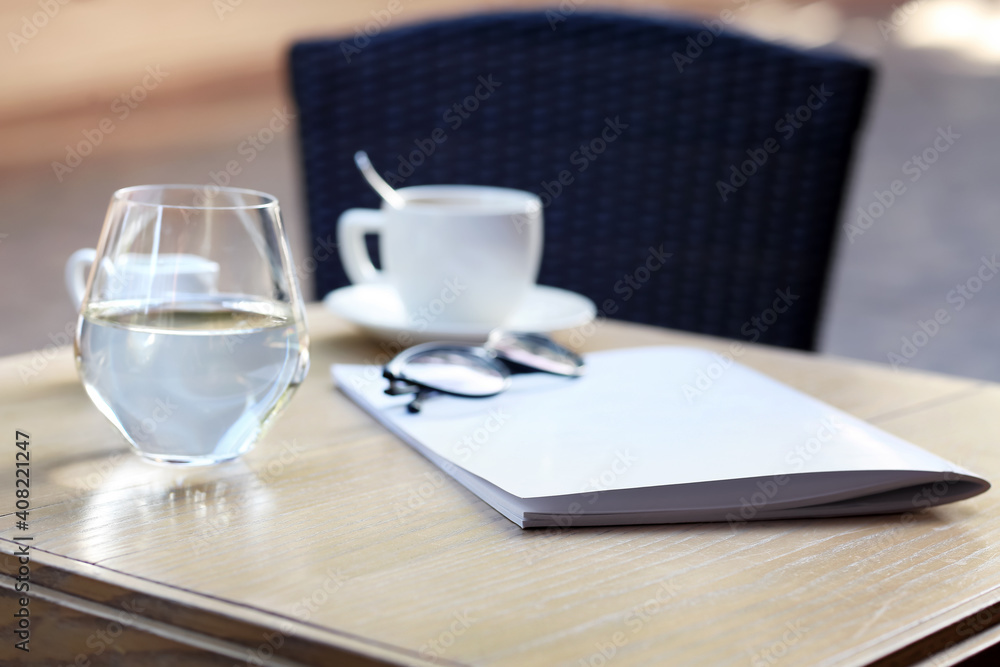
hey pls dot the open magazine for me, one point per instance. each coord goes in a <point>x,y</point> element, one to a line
<point>636,440</point>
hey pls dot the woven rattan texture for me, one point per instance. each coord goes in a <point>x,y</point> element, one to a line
<point>644,118</point>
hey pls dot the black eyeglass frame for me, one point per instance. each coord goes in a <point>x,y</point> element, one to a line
<point>488,355</point>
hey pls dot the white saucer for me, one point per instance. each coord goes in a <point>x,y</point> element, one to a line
<point>376,308</point>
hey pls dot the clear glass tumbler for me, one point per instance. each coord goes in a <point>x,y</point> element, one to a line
<point>192,336</point>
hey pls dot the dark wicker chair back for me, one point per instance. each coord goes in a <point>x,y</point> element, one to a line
<point>692,177</point>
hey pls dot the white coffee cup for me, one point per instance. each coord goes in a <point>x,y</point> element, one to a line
<point>459,254</point>
<point>133,275</point>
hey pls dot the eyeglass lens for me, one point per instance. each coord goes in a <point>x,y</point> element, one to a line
<point>454,372</point>
<point>535,352</point>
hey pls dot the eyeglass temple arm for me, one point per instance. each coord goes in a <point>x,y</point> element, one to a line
<point>399,387</point>
<point>518,369</point>
<point>418,401</point>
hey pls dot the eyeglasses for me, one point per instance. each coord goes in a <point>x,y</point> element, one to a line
<point>476,372</point>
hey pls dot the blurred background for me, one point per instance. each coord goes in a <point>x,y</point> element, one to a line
<point>167,91</point>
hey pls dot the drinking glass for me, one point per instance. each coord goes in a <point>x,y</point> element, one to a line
<point>191,336</point>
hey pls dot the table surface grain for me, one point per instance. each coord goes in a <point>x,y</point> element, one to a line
<point>333,540</point>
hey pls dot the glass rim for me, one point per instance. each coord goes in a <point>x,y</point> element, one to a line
<point>122,195</point>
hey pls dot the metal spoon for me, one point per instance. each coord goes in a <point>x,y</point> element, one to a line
<point>384,190</point>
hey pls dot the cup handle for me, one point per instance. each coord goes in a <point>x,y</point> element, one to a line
<point>351,229</point>
<point>77,267</point>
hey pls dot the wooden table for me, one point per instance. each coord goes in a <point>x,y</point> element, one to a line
<point>334,543</point>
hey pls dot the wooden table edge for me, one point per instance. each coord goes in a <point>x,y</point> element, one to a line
<point>182,615</point>
<point>950,641</point>
<point>970,647</point>
<point>186,616</point>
